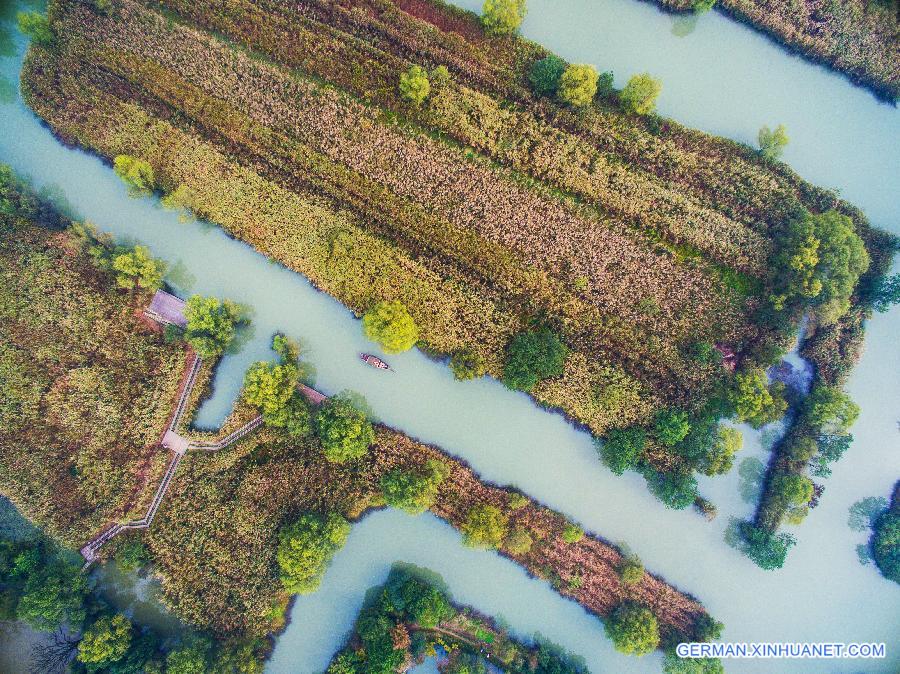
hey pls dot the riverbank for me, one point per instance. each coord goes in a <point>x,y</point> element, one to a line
<point>857,38</point>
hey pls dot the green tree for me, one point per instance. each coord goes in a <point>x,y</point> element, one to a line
<point>136,268</point>
<point>106,641</point>
<point>719,458</point>
<point>467,364</point>
<point>414,85</point>
<point>885,293</point>
<point>545,75</point>
<point>485,527</point>
<point>670,426</point>
<point>819,264</point>
<point>36,26</point>
<point>633,629</point>
<point>640,94</point>
<point>605,84</point>
<point>136,173</point>
<point>414,490</point>
<point>306,547</point>
<point>754,401</point>
<point>189,658</point>
<point>268,386</point>
<point>343,429</point>
<point>615,391</point>
<point>793,489</point>
<point>676,489</point>
<point>294,418</point>
<point>54,594</point>
<point>210,325</point>
<point>518,541</point>
<point>466,663</point>
<point>390,324</point>
<point>622,448</point>
<point>885,544</point>
<point>801,448</point>
<point>766,550</point>
<point>531,356</point>
<point>830,410</point>
<point>572,533</point>
<point>502,17</point>
<point>578,85</point>
<point>772,143</point>
<point>418,600</point>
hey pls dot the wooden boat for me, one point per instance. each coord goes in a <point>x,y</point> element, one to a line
<point>374,361</point>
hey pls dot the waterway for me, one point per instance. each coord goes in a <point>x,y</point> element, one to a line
<point>822,594</point>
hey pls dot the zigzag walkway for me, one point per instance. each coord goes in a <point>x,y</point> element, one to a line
<point>179,446</point>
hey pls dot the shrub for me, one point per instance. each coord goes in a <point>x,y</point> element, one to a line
<point>518,542</point>
<point>632,570</point>
<point>189,658</point>
<point>413,490</point>
<point>633,629</point>
<point>703,6</point>
<point>886,544</point>
<point>578,85</point>
<point>767,550</point>
<point>640,94</point>
<point>772,143</point>
<point>532,356</point>
<point>467,364</point>
<point>136,173</point>
<point>707,628</point>
<point>414,85</point>
<point>671,426</point>
<point>390,324</point>
<point>819,264</point>
<point>719,459</point>
<point>132,555</point>
<point>485,527</point>
<point>572,533</point>
<point>885,292</point>
<point>755,401</point>
<point>616,391</point>
<point>36,26</point>
<point>305,548</point>
<point>622,448</point>
<point>676,489</point>
<point>545,75</point>
<point>210,325</point>
<point>105,642</point>
<point>136,268</point>
<point>676,665</point>
<point>502,17</point>
<point>516,501</point>
<point>343,430</point>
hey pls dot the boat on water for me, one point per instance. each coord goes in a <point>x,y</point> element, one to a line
<point>374,361</point>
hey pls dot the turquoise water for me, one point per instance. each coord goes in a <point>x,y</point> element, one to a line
<point>822,594</point>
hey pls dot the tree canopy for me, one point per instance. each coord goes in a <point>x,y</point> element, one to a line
<point>886,544</point>
<point>793,489</point>
<point>467,364</point>
<point>767,550</point>
<point>578,85</point>
<point>670,426</point>
<point>772,143</point>
<point>343,429</point>
<point>414,489</point>
<point>36,26</point>
<point>502,17</point>
<point>137,268</point>
<point>136,173</point>
<point>640,94</point>
<point>622,448</point>
<point>719,458</point>
<point>485,527</point>
<point>305,548</point>
<point>830,410</point>
<point>391,325</point>
<point>545,75</point>
<point>633,629</point>
<point>210,325</point>
<point>818,264</point>
<point>106,641</point>
<point>531,356</point>
<point>677,489</point>
<point>414,85</point>
<point>755,402</point>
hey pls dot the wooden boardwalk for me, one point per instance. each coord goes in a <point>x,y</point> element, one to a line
<point>179,446</point>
